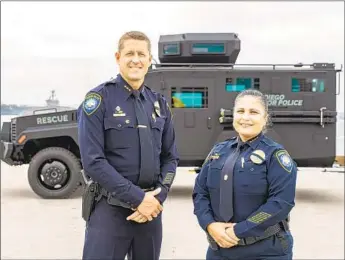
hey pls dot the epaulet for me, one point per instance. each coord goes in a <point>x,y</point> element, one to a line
<point>157,94</point>
<point>215,149</point>
<point>153,91</point>
<point>220,144</point>
<point>110,82</point>
<point>160,97</point>
<point>280,153</point>
<point>101,86</point>
<point>269,142</point>
<point>146,86</point>
<point>97,89</point>
<point>230,140</point>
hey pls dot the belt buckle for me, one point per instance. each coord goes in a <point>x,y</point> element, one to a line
<point>247,241</point>
<point>148,189</point>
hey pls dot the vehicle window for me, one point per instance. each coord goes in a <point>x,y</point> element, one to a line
<point>240,84</point>
<point>307,85</point>
<point>189,97</point>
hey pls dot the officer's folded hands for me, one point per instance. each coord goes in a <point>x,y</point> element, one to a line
<point>148,209</point>
<point>223,234</point>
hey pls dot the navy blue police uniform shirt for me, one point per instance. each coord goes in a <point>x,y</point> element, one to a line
<point>264,183</point>
<point>109,140</point>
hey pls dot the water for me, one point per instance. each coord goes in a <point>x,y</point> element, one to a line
<point>339,145</point>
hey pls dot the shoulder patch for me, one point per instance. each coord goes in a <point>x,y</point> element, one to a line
<point>91,103</point>
<point>284,160</point>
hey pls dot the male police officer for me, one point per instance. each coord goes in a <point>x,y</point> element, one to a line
<point>127,146</point>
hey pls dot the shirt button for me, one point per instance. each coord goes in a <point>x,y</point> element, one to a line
<point>119,125</point>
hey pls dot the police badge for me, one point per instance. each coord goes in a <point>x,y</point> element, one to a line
<point>157,108</point>
<point>257,157</point>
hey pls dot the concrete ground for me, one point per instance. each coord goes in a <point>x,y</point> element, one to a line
<point>33,228</point>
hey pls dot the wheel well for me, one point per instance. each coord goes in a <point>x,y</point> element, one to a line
<point>31,147</point>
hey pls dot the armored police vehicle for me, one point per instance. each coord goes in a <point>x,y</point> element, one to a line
<point>199,77</point>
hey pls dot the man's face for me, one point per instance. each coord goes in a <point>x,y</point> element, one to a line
<point>134,60</point>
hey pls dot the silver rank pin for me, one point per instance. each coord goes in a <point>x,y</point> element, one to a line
<point>118,112</point>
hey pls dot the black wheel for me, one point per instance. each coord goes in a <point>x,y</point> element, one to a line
<point>54,173</point>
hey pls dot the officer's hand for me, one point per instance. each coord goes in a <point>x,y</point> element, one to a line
<point>137,217</point>
<point>231,233</point>
<point>150,206</point>
<point>217,231</point>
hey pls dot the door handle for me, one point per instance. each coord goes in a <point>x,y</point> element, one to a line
<point>209,123</point>
<point>321,116</point>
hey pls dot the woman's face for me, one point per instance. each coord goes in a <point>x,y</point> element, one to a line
<point>249,117</point>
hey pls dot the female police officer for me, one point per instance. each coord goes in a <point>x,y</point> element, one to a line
<point>246,189</point>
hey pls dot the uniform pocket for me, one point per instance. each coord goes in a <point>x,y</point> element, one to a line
<point>251,178</point>
<point>157,127</point>
<point>214,174</point>
<point>253,168</point>
<point>158,124</point>
<point>119,133</point>
<point>213,181</point>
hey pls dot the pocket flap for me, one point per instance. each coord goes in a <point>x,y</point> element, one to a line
<point>117,123</point>
<point>158,123</point>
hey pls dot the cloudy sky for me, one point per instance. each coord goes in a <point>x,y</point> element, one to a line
<point>70,47</point>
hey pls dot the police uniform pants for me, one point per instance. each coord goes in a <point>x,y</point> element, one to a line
<point>277,247</point>
<point>109,235</point>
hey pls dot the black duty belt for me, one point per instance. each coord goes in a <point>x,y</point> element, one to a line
<point>115,201</point>
<point>271,231</point>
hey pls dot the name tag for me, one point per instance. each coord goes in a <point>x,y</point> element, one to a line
<point>119,114</point>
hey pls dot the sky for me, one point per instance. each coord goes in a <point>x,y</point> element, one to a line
<point>70,46</point>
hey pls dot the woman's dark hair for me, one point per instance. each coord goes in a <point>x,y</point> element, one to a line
<point>263,100</point>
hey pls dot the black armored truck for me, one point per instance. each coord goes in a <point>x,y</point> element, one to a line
<point>199,77</point>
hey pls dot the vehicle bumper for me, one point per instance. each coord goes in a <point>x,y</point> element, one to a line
<point>6,152</point>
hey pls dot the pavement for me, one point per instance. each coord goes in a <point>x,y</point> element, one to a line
<point>33,228</point>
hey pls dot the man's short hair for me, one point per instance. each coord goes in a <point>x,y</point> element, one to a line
<point>134,35</point>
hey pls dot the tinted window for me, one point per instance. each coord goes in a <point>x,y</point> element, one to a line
<point>307,85</point>
<point>189,97</point>
<point>240,84</point>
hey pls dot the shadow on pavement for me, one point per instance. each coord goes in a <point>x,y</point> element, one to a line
<point>181,192</point>
<point>29,194</point>
<point>318,196</point>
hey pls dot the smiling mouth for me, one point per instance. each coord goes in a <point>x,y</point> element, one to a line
<point>245,125</point>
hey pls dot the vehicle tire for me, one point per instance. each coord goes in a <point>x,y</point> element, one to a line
<point>51,166</point>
